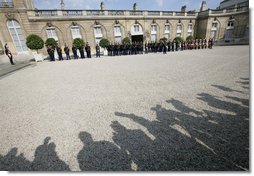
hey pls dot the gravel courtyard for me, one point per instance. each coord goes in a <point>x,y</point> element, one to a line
<point>187,110</point>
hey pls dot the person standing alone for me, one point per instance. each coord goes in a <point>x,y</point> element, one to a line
<point>9,54</point>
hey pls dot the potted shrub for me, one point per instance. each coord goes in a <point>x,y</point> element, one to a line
<point>52,42</point>
<point>79,44</point>
<point>35,42</point>
<point>190,37</point>
<point>163,40</point>
<point>178,39</point>
<point>126,40</point>
<point>104,43</point>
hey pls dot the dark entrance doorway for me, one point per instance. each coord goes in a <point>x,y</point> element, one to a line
<point>137,38</point>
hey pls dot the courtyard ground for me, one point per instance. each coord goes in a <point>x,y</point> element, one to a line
<point>186,110</point>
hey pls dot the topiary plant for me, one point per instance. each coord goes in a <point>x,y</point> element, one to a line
<point>190,37</point>
<point>34,42</point>
<point>126,40</point>
<point>79,43</point>
<point>178,39</point>
<point>163,40</point>
<point>104,43</point>
<point>52,42</point>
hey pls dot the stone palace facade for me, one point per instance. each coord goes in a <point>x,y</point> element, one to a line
<point>19,18</point>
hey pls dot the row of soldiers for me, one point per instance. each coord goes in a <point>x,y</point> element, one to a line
<point>132,49</point>
<point>154,47</point>
<point>75,50</point>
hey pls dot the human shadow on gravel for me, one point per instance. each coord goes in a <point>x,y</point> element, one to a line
<point>46,159</point>
<point>101,155</point>
<point>188,139</point>
<point>227,89</point>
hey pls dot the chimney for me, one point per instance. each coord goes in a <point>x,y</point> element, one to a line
<point>102,6</point>
<point>184,8</point>
<point>62,4</point>
<point>135,7</point>
<point>203,6</point>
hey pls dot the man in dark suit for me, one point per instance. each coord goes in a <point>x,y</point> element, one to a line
<point>9,54</point>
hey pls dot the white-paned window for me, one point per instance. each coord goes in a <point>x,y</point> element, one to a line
<point>214,30</point>
<point>136,28</point>
<point>51,33</point>
<point>179,30</point>
<point>153,37</point>
<point>97,34</point>
<point>75,31</point>
<point>17,35</point>
<point>167,29</point>
<point>117,30</point>
<point>118,39</point>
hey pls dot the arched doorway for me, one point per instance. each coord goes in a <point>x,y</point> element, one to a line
<point>137,33</point>
<point>17,35</point>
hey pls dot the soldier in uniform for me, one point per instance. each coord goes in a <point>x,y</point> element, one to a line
<point>88,50</point>
<point>67,52</point>
<point>173,46</point>
<point>177,45</point>
<point>98,53</point>
<point>59,52</point>
<point>205,43</point>
<point>82,54</point>
<point>75,52</point>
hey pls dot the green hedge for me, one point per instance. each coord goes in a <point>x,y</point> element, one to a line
<point>104,43</point>
<point>52,42</point>
<point>79,43</point>
<point>34,42</point>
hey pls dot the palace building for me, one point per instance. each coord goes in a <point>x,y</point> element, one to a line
<point>19,18</point>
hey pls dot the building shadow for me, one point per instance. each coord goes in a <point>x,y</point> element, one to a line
<point>101,155</point>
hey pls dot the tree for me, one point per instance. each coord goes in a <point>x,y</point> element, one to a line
<point>164,40</point>
<point>178,39</point>
<point>52,42</point>
<point>199,37</point>
<point>104,43</point>
<point>190,37</point>
<point>79,43</point>
<point>34,42</point>
<point>126,40</point>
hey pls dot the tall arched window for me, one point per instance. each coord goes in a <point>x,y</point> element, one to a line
<point>75,31</point>
<point>153,32</point>
<point>214,30</point>
<point>51,33</point>
<point>97,33</point>
<point>179,30</point>
<point>167,31</point>
<point>17,35</point>
<point>117,33</point>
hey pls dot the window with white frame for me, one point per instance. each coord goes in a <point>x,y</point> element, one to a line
<point>97,34</point>
<point>190,27</point>
<point>51,33</point>
<point>75,31</point>
<point>118,39</point>
<point>179,30</point>
<point>167,28</point>
<point>153,37</point>
<point>117,33</point>
<point>153,28</point>
<point>214,30</point>
<point>117,30</point>
<point>17,35</point>
<point>136,28</point>
<point>97,31</point>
